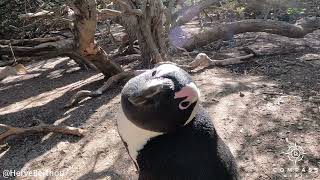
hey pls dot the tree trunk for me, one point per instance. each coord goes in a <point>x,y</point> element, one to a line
<point>147,27</point>
<point>84,30</point>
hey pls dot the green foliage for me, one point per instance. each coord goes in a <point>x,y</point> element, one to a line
<point>293,11</point>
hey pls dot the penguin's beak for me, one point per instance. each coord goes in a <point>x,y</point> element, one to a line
<point>152,88</point>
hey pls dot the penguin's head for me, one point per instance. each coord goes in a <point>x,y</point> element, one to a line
<point>161,99</point>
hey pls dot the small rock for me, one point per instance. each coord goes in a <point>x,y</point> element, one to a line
<point>300,127</point>
<point>241,94</point>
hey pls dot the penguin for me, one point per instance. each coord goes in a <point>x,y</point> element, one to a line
<point>166,131</point>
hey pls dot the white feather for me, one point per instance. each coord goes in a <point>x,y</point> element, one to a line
<point>135,137</point>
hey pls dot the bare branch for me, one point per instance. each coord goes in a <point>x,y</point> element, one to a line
<point>227,30</point>
<point>41,14</point>
<point>202,60</point>
<point>104,14</point>
<point>14,57</point>
<point>37,50</point>
<point>111,81</point>
<point>127,59</point>
<point>9,130</point>
<point>29,42</point>
<point>6,63</point>
<point>77,58</point>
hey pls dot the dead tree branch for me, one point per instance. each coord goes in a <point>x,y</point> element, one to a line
<point>48,49</point>
<point>29,42</point>
<point>40,14</point>
<point>202,60</point>
<point>40,49</point>
<point>104,14</point>
<point>111,81</point>
<point>227,30</point>
<point>7,63</point>
<point>127,59</point>
<point>41,128</point>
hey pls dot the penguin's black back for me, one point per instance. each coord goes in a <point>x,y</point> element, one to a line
<point>194,152</point>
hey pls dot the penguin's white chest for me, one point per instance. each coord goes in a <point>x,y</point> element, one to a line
<point>135,137</point>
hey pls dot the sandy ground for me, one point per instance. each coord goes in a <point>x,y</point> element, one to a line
<point>261,109</point>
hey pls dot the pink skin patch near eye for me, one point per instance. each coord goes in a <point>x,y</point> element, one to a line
<point>191,94</point>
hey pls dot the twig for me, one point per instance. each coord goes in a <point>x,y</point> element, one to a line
<point>14,57</point>
<point>272,93</point>
<point>185,51</point>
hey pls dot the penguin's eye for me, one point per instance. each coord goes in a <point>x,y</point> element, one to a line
<point>154,73</point>
<point>184,105</point>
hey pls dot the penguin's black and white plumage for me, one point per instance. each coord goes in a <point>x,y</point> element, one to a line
<point>167,133</point>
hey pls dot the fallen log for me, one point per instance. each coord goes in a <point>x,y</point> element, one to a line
<point>38,50</point>
<point>29,42</point>
<point>127,59</point>
<point>40,14</point>
<point>227,30</point>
